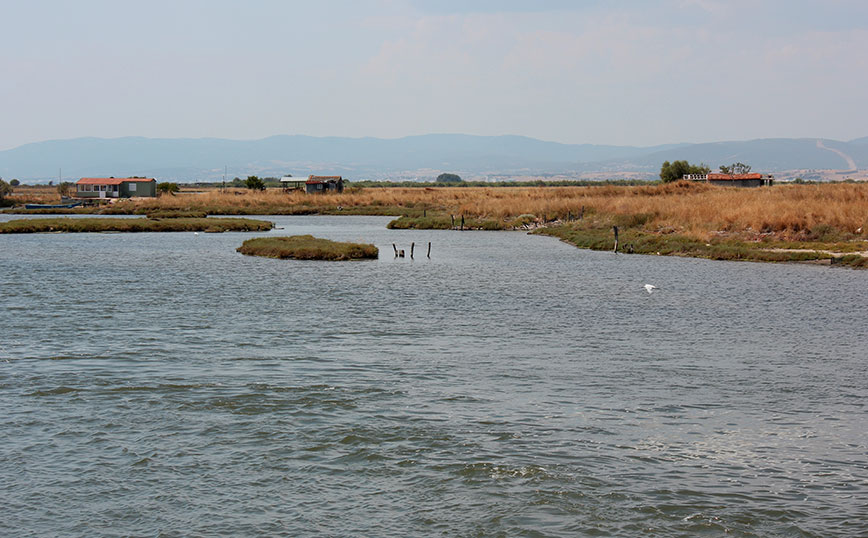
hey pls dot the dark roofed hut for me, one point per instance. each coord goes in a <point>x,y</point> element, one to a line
<point>324,184</point>
<point>740,180</point>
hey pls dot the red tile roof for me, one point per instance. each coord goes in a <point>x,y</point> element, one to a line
<point>734,177</point>
<point>112,180</point>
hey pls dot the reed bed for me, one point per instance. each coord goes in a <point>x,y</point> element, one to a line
<point>701,211</point>
<point>307,247</point>
<point>796,212</point>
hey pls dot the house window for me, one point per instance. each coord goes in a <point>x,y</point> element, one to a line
<point>132,187</point>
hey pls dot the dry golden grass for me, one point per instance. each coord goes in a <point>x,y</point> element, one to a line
<point>36,194</point>
<point>791,212</point>
<point>698,210</point>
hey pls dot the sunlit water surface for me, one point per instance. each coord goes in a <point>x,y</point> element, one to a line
<point>164,385</point>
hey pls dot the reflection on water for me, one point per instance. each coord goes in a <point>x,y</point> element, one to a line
<point>163,383</point>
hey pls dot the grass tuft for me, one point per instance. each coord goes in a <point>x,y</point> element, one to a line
<point>307,247</point>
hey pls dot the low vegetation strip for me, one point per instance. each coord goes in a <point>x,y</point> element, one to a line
<point>177,215</point>
<point>307,247</point>
<point>70,225</point>
<point>637,241</point>
<point>448,222</point>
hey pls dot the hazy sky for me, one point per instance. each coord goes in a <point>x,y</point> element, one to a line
<point>603,72</point>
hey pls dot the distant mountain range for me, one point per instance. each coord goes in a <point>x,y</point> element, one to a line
<point>422,157</point>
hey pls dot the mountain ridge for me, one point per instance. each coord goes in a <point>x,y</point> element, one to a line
<point>418,156</point>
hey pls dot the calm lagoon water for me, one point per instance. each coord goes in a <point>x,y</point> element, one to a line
<point>511,385</point>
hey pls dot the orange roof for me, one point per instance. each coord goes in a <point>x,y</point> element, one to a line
<point>734,177</point>
<point>112,180</point>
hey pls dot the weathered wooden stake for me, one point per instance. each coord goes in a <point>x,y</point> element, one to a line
<point>424,212</point>
<point>615,229</point>
<point>429,249</point>
<point>453,221</point>
<point>401,253</point>
<point>462,223</point>
<point>412,248</point>
<point>569,216</point>
<point>396,249</point>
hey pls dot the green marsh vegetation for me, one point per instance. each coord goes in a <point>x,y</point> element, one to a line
<point>176,215</point>
<point>446,222</point>
<point>307,247</point>
<point>84,225</point>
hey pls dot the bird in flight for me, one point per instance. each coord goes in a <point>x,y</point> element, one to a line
<point>650,288</point>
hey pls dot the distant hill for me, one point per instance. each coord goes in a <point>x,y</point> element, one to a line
<point>770,154</point>
<point>185,159</point>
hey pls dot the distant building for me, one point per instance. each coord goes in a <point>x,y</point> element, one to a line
<point>733,180</point>
<point>290,183</point>
<point>115,187</point>
<point>323,184</point>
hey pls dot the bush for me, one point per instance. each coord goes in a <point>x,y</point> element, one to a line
<point>5,190</point>
<point>63,188</point>
<point>449,178</point>
<point>168,188</point>
<point>254,183</point>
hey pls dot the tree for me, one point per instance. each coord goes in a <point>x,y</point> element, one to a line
<point>737,168</point>
<point>449,178</point>
<point>168,188</point>
<point>678,169</point>
<point>15,183</point>
<point>254,183</point>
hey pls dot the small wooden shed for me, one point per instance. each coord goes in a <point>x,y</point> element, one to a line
<point>324,184</point>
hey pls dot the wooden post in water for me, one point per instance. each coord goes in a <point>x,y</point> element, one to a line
<point>453,221</point>
<point>615,229</point>
<point>401,253</point>
<point>429,249</point>
<point>396,249</point>
<point>412,248</point>
<point>462,223</point>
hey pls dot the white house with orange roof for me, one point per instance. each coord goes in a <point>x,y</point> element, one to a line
<point>115,187</point>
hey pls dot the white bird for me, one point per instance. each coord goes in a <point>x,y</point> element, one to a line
<point>195,233</point>
<point>650,288</point>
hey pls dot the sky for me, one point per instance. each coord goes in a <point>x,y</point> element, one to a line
<point>601,72</point>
